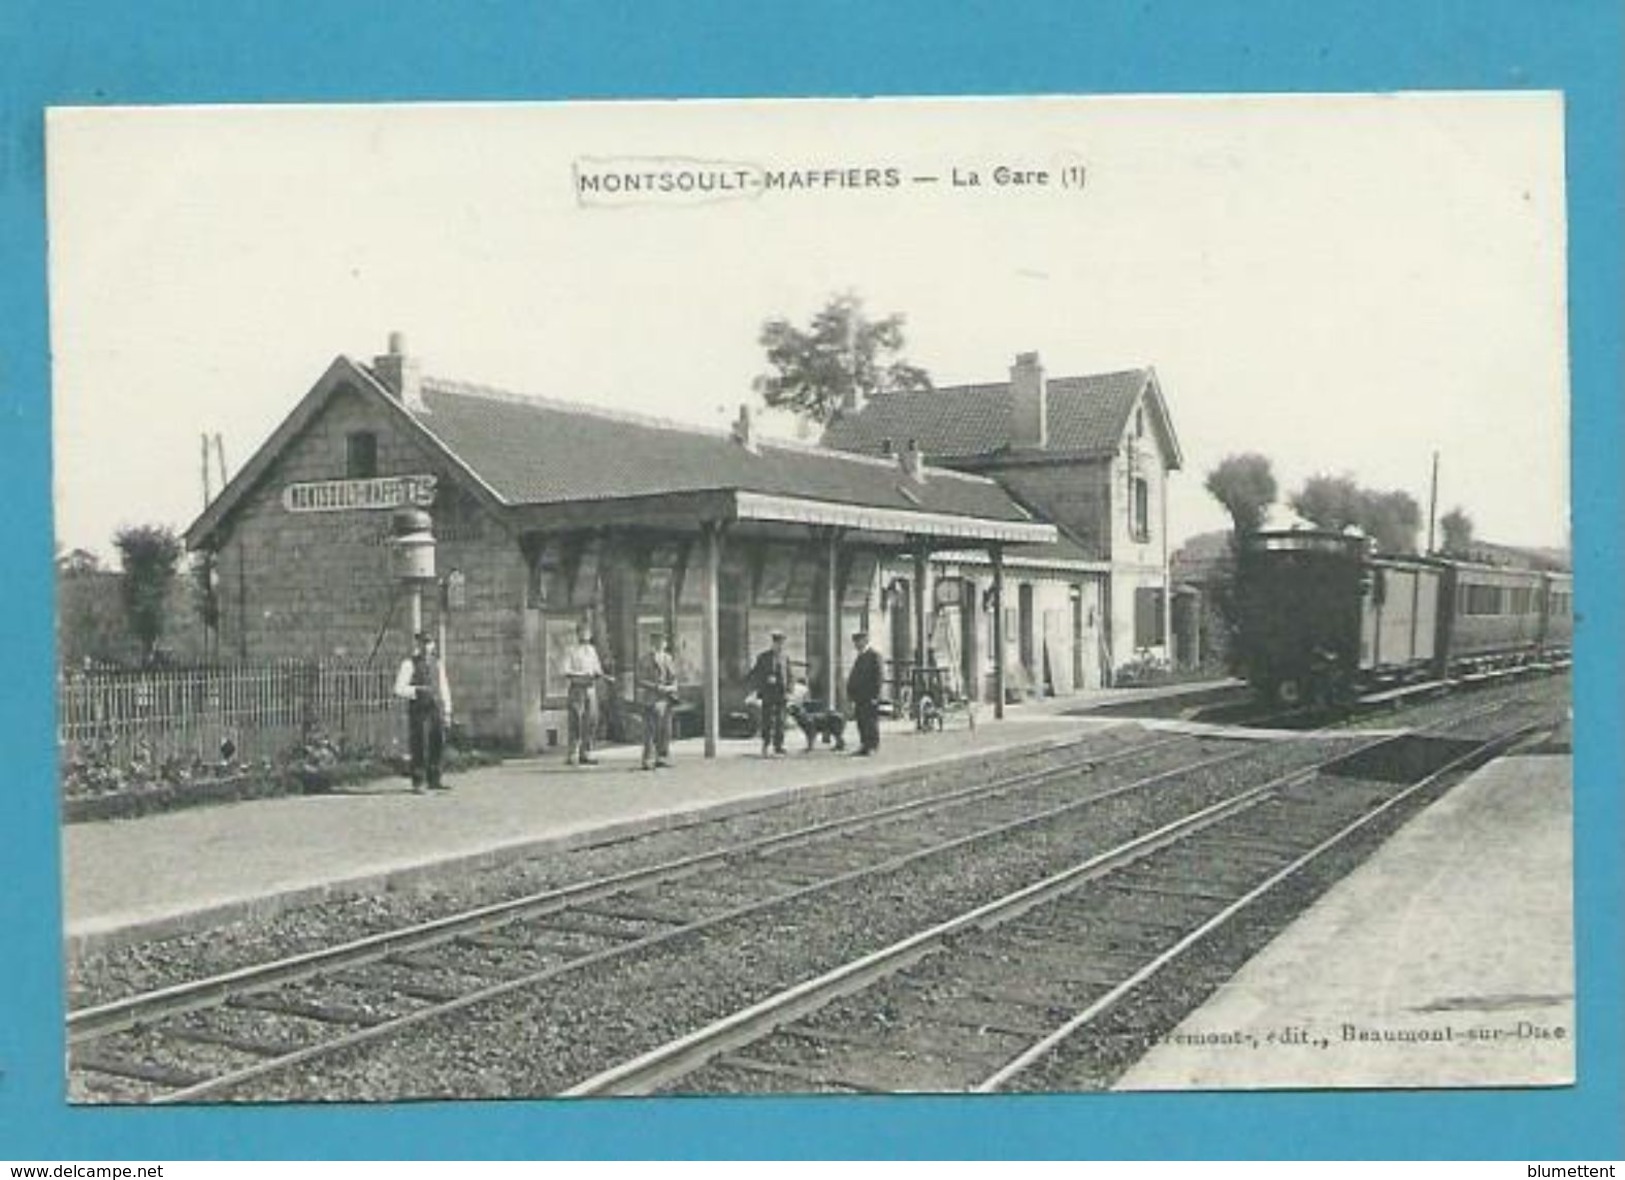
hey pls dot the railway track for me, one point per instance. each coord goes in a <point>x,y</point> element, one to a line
<point>415,972</point>
<point>244,1034</point>
<point>971,1003</point>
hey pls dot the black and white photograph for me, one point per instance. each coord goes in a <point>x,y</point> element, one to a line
<point>843,597</point>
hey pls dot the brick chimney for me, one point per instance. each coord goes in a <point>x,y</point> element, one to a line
<point>1029,402</point>
<point>742,431</point>
<point>912,460</point>
<point>401,374</point>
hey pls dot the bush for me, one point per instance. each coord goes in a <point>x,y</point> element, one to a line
<point>1143,670</point>
<point>99,770</point>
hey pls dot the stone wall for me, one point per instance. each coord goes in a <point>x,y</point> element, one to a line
<point>1076,495</point>
<point>1093,500</point>
<point>318,585</point>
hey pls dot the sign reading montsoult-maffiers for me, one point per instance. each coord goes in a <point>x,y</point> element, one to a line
<point>349,495</point>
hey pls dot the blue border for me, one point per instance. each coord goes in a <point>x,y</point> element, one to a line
<point>180,51</point>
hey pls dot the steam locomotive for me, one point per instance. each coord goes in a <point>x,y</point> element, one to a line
<point>1324,620</point>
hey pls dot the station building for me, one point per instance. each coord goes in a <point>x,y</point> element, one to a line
<point>1091,455</point>
<point>545,513</point>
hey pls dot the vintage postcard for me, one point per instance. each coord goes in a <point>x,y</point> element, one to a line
<point>813,597</point>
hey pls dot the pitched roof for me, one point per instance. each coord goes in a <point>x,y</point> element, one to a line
<point>1087,415</point>
<point>517,451</point>
<point>534,451</point>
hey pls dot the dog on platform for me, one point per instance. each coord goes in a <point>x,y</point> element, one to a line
<point>930,714</point>
<point>815,722</point>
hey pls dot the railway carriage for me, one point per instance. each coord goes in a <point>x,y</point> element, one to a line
<point>1323,619</point>
<point>1557,617</point>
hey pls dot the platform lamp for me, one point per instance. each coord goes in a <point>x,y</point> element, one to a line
<point>412,557</point>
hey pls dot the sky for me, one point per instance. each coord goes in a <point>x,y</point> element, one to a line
<point>1345,284</point>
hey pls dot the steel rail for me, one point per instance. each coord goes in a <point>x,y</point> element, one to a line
<point>683,1055</point>
<point>376,1032</point>
<point>608,885</point>
<point>91,1023</point>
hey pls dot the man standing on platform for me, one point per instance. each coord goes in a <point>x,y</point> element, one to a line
<point>863,690</point>
<point>582,671</point>
<point>770,676</point>
<point>421,682</point>
<point>657,690</point>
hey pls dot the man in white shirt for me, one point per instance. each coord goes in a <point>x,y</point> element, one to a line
<point>421,682</point>
<point>582,671</point>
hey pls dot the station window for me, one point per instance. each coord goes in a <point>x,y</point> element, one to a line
<point>1140,521</point>
<point>360,455</point>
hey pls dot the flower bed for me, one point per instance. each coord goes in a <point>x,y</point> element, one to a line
<point>96,786</point>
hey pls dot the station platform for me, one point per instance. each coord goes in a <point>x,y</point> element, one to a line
<point>129,880</point>
<point>1445,960</point>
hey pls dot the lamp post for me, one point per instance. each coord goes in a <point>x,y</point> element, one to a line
<point>412,553</point>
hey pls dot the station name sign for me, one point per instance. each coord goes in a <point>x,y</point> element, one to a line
<point>353,495</point>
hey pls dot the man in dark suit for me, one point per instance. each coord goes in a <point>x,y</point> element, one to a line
<point>421,683</point>
<point>863,690</point>
<point>770,676</point>
<point>657,692</point>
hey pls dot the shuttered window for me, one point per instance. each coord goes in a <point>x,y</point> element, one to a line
<point>1140,522</point>
<point>1148,617</point>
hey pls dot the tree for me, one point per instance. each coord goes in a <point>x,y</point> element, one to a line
<point>1457,528</point>
<point>149,555</point>
<point>843,357</point>
<point>1336,502</point>
<point>89,619</point>
<point>1332,502</point>
<point>1393,518</point>
<point>1245,485</point>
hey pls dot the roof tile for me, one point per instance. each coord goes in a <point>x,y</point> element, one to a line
<point>1085,414</point>
<point>538,452</point>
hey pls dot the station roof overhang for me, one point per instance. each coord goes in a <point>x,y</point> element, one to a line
<point>1029,561</point>
<point>774,515</point>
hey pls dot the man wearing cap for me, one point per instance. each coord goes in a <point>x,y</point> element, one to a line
<point>582,671</point>
<point>770,676</point>
<point>863,690</point>
<point>421,682</point>
<point>657,692</point>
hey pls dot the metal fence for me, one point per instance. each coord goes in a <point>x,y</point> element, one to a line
<point>263,711</point>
